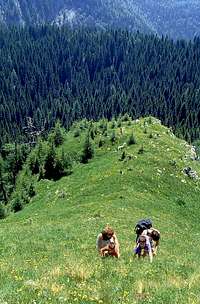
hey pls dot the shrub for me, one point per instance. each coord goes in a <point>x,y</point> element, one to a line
<point>131,140</point>
<point>141,150</point>
<point>113,123</point>
<point>145,130</point>
<point>56,137</point>
<point>126,117</point>
<point>101,142</point>
<point>17,204</point>
<point>123,156</point>
<point>113,137</point>
<point>92,134</point>
<point>119,123</point>
<point>2,211</point>
<point>88,150</point>
<point>49,163</point>
<point>77,133</point>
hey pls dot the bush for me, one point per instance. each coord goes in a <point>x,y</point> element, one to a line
<point>119,123</point>
<point>101,142</point>
<point>56,137</point>
<point>113,137</point>
<point>141,150</point>
<point>123,156</point>
<point>113,124</point>
<point>88,150</point>
<point>2,211</point>
<point>17,204</point>
<point>145,130</point>
<point>92,134</point>
<point>131,140</point>
<point>126,117</point>
<point>77,133</point>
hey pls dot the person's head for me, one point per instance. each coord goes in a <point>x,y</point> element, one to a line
<point>142,241</point>
<point>107,233</point>
<point>155,235</point>
<point>138,230</point>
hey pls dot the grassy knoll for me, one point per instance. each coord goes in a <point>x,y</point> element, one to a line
<point>47,250</point>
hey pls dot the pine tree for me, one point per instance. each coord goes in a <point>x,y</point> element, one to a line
<point>88,150</point>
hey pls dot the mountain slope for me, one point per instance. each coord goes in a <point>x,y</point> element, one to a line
<point>179,19</point>
<point>48,250</point>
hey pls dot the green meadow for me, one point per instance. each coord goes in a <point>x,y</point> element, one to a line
<point>48,250</point>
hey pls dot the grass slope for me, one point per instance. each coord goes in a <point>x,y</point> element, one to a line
<point>48,252</point>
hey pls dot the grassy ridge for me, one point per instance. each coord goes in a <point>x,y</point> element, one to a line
<point>48,252</point>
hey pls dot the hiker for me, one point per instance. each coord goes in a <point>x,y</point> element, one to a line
<point>107,243</point>
<point>144,227</point>
<point>141,226</point>
<point>154,237</point>
<point>143,248</point>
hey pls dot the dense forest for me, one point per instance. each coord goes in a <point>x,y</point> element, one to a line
<point>49,73</point>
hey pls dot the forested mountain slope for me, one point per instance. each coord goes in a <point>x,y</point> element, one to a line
<point>49,73</point>
<point>48,253</point>
<point>179,19</point>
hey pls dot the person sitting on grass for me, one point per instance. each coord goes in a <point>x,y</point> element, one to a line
<point>107,243</point>
<point>143,248</point>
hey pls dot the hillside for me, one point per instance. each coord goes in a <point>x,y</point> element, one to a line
<point>179,19</point>
<point>48,250</point>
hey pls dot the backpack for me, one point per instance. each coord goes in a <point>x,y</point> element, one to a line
<point>142,225</point>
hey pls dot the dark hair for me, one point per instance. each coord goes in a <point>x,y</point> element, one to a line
<point>107,233</point>
<point>155,235</point>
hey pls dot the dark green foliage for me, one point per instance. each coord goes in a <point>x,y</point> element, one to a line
<point>49,163</point>
<point>113,137</point>
<point>11,162</point>
<point>17,204</point>
<point>145,131</point>
<point>24,190</point>
<point>92,134</point>
<point>131,140</point>
<point>149,120</point>
<point>2,211</point>
<point>54,164</point>
<point>151,135</point>
<point>126,117</point>
<point>101,142</point>
<point>113,123</point>
<point>180,202</point>
<point>88,150</point>
<point>34,163</point>
<point>56,137</point>
<point>127,73</point>
<point>77,133</point>
<point>123,156</point>
<point>62,166</point>
<point>3,190</point>
<point>119,123</point>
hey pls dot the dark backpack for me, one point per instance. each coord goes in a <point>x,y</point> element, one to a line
<point>142,225</point>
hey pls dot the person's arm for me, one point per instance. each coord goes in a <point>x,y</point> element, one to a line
<point>99,242</point>
<point>156,244</point>
<point>150,252</point>
<point>136,250</point>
